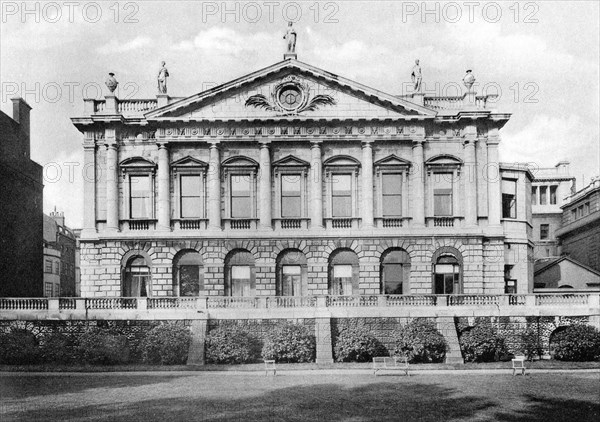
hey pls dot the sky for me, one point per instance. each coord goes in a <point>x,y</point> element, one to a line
<point>541,57</point>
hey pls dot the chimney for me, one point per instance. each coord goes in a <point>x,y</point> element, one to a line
<point>21,115</point>
<point>563,167</point>
<point>59,217</point>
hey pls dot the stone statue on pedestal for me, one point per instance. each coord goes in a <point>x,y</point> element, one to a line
<point>290,37</point>
<point>163,74</point>
<point>111,82</point>
<point>416,76</point>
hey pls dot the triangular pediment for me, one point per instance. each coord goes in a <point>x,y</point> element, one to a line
<point>342,160</point>
<point>290,161</point>
<point>444,160</point>
<point>392,161</point>
<point>290,90</point>
<point>189,162</point>
<point>137,162</point>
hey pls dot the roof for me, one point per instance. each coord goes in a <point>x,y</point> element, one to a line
<point>543,266</point>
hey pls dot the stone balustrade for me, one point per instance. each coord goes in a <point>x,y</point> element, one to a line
<point>258,307</point>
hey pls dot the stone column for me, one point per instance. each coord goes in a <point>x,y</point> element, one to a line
<point>112,184</point>
<point>265,187</point>
<point>367,185</point>
<point>214,188</point>
<point>164,194</point>
<point>89,187</point>
<point>316,183</point>
<point>417,185</point>
<point>493,179</point>
<point>470,178</point>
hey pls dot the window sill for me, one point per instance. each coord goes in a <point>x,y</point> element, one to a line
<point>189,223</point>
<point>291,223</point>
<point>446,221</point>
<point>240,223</point>
<point>342,222</point>
<point>391,222</point>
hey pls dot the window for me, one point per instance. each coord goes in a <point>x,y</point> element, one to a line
<point>190,196</point>
<point>391,190</point>
<point>241,206</point>
<point>509,198</point>
<point>136,277</point>
<point>291,273</point>
<point>574,214</point>
<point>239,273</point>
<point>140,205</point>
<point>291,201</point>
<point>580,211</point>
<point>553,195</point>
<point>543,195</point>
<point>510,284</point>
<point>442,194</point>
<point>56,267</point>
<point>341,196</point>
<point>56,290</point>
<point>48,266</point>
<point>534,192</point>
<point>187,274</point>
<point>343,273</point>
<point>586,208</point>
<point>48,288</point>
<point>544,231</point>
<point>395,272</point>
<point>446,275</point>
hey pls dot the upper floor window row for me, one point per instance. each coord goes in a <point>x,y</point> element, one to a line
<point>544,195</point>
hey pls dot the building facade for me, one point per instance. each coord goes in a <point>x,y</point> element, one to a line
<point>550,189</point>
<point>21,208</point>
<point>59,257</point>
<point>579,235</point>
<point>293,181</point>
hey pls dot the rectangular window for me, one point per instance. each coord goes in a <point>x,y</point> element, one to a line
<point>48,267</point>
<point>580,211</point>
<point>586,208</point>
<point>291,276</point>
<point>510,284</point>
<point>543,195</point>
<point>290,196</point>
<point>574,214</point>
<point>442,194</point>
<point>544,231</point>
<point>48,289</point>
<point>139,188</point>
<point>341,192</point>
<point>553,195</point>
<point>393,278</point>
<point>57,267</point>
<point>241,202</point>
<point>391,191</point>
<point>191,196</point>
<point>509,198</point>
<point>240,280</point>
<point>56,290</point>
<point>534,191</point>
<point>342,280</point>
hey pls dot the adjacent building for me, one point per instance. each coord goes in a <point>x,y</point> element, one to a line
<point>293,181</point>
<point>21,208</point>
<point>59,257</point>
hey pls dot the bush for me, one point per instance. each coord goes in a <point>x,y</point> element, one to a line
<point>482,343</point>
<point>19,347</point>
<point>58,348</point>
<point>420,342</point>
<point>577,343</point>
<point>101,346</point>
<point>290,343</point>
<point>166,344</point>
<point>530,345</point>
<point>229,344</point>
<point>358,345</point>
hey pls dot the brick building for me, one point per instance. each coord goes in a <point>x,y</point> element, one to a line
<point>21,207</point>
<point>293,181</point>
<point>59,257</point>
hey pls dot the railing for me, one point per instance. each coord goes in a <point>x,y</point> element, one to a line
<point>392,222</point>
<point>291,223</point>
<point>562,299</point>
<point>24,304</point>
<point>292,302</point>
<point>352,301</point>
<point>139,224</point>
<point>240,224</point>
<point>99,106</point>
<point>469,300</point>
<point>458,102</point>
<point>443,221</point>
<point>172,303</point>
<point>191,224</point>
<point>402,300</point>
<point>231,302</point>
<point>67,303</point>
<point>341,223</point>
<point>128,106</point>
<point>111,303</point>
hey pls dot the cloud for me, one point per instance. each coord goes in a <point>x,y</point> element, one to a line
<point>115,46</point>
<point>225,41</point>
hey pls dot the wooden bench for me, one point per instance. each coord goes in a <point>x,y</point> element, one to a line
<point>270,366</point>
<point>390,363</point>
<point>518,364</point>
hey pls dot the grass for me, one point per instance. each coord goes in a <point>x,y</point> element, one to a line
<point>207,396</point>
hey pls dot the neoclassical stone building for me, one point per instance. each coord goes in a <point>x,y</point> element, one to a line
<point>293,181</point>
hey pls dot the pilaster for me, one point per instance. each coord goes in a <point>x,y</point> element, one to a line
<point>493,179</point>
<point>470,182</point>
<point>316,180</point>
<point>265,187</point>
<point>89,187</point>
<point>417,185</point>
<point>214,188</point>
<point>367,185</point>
<point>112,181</point>
<point>164,202</point>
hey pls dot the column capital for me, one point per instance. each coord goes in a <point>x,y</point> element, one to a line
<point>264,143</point>
<point>469,141</point>
<point>493,140</point>
<point>316,143</point>
<point>111,144</point>
<point>213,144</point>
<point>162,144</point>
<point>367,143</point>
<point>418,142</point>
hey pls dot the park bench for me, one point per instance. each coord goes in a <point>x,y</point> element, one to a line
<point>390,363</point>
<point>270,367</point>
<point>518,364</point>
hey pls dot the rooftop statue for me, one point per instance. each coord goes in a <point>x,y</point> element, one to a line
<point>416,76</point>
<point>290,37</point>
<point>163,74</point>
<point>111,82</point>
<point>469,80</point>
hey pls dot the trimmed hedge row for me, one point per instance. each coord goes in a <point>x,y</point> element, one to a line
<point>165,344</point>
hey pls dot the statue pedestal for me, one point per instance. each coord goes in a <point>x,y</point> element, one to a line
<point>162,100</point>
<point>469,100</point>
<point>110,104</point>
<point>288,56</point>
<point>418,98</point>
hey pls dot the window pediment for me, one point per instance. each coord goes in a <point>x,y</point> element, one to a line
<point>392,161</point>
<point>342,161</point>
<point>444,160</point>
<point>239,162</point>
<point>189,162</point>
<point>137,163</point>
<point>291,162</point>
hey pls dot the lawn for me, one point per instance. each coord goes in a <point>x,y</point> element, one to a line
<point>212,396</point>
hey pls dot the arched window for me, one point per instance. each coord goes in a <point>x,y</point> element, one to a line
<point>136,277</point>
<point>446,275</point>
<point>239,273</point>
<point>395,272</point>
<point>343,272</point>
<point>291,273</point>
<point>188,277</point>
